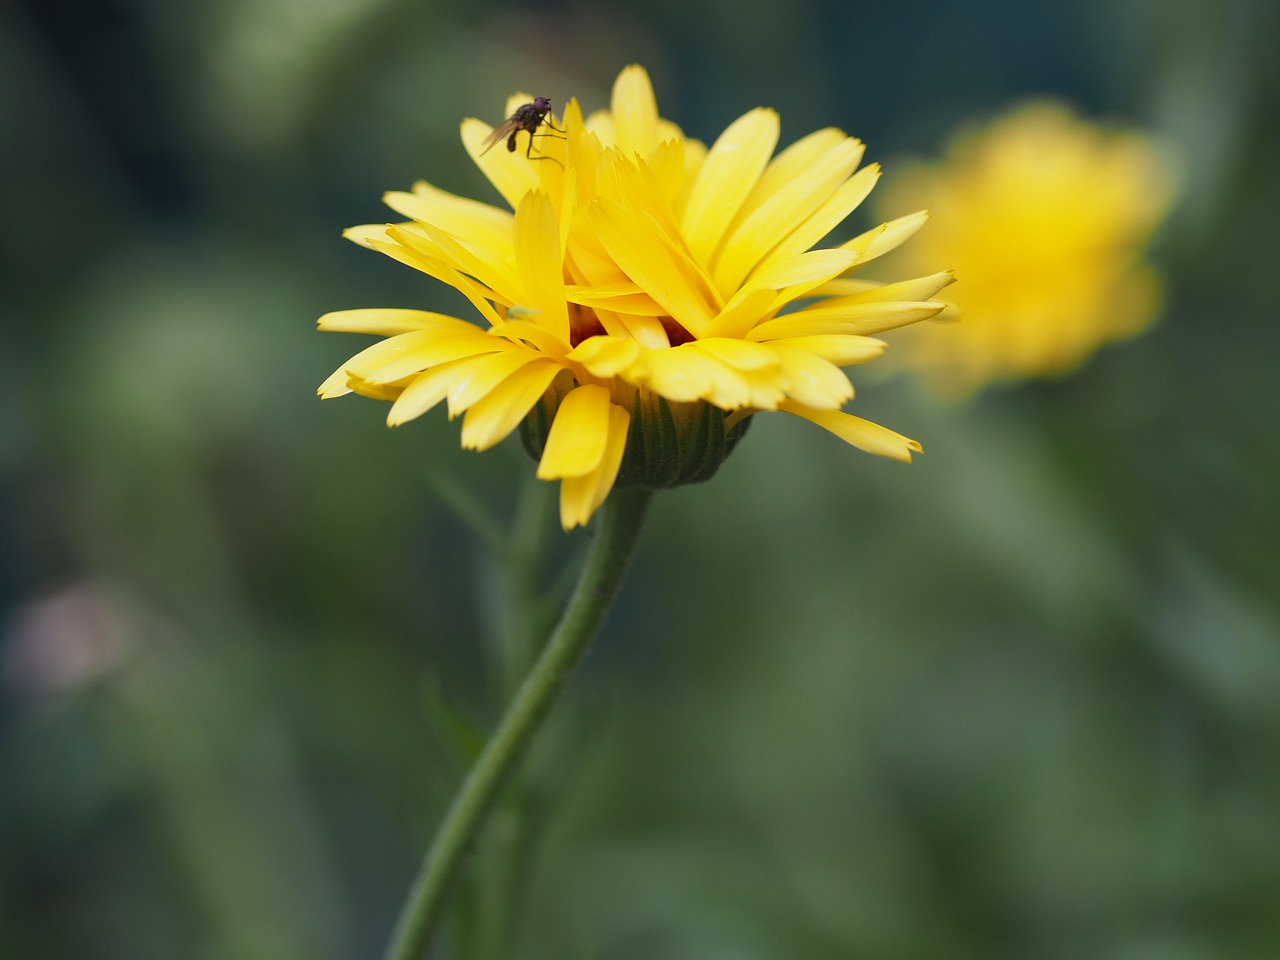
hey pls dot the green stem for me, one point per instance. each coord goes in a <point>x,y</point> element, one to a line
<point>620,522</point>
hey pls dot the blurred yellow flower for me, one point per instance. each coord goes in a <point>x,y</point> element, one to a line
<point>1044,218</point>
<point>644,298</point>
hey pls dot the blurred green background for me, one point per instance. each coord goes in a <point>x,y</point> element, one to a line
<point>1020,699</point>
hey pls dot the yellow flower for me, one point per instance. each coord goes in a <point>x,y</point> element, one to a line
<point>1044,218</point>
<point>646,297</point>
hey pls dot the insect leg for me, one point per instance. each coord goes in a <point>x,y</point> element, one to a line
<point>528,152</point>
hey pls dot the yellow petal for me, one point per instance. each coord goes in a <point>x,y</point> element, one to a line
<point>741,313</point>
<point>578,436</point>
<point>600,123</point>
<point>695,155</point>
<point>811,269</point>
<point>580,497</point>
<point>541,338</point>
<point>920,288</point>
<point>638,246</point>
<point>646,331</point>
<point>845,287</point>
<point>480,379</point>
<point>377,354</point>
<point>335,385</point>
<point>625,297</point>
<point>491,419</point>
<point>795,162</point>
<point>410,353</point>
<point>667,165</point>
<point>483,228</point>
<point>729,174</point>
<point>366,234</point>
<point>684,374</point>
<point>811,380</point>
<point>511,172</point>
<point>635,112</point>
<point>569,201</point>
<point>631,182</point>
<point>478,294</point>
<point>843,351</point>
<point>862,434</point>
<point>540,263</point>
<point>839,316</point>
<point>754,367</point>
<point>785,205</point>
<point>392,248</point>
<point>739,354</point>
<point>583,150</point>
<point>425,391</point>
<point>387,392</point>
<point>499,275</point>
<point>606,357</point>
<point>808,271</point>
<point>670,131</point>
<point>387,322</point>
<point>587,262</point>
<point>888,235</point>
<point>828,216</point>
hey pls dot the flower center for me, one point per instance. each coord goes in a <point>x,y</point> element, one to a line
<point>676,333</point>
<point>583,324</point>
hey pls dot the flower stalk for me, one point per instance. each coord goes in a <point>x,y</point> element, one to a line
<point>620,523</point>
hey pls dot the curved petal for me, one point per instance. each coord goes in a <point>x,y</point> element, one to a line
<point>540,262</point>
<point>400,357</point>
<point>477,293</point>
<point>860,433</point>
<point>637,245</point>
<point>695,155</point>
<point>541,338</point>
<point>880,240</point>
<point>781,205</point>
<point>868,291</point>
<point>739,354</point>
<point>600,124</point>
<point>667,164</point>
<point>578,436</point>
<point>388,322</point>
<point>811,380</point>
<point>845,318</point>
<point>337,384</point>
<point>728,175</point>
<point>416,345</point>
<point>635,112</point>
<point>605,356</point>
<point>686,373</point>
<point>794,163</point>
<point>478,380</point>
<point>804,271</point>
<point>500,276</point>
<point>827,217</point>
<point>492,418</point>
<point>580,497</point>
<point>839,349</point>
<point>624,297</point>
<point>425,391</point>
<point>741,313</point>
<point>483,228</point>
<point>510,172</point>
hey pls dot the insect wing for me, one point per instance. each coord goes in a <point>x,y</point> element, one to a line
<point>500,132</point>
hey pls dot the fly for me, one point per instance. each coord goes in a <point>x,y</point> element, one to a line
<point>528,117</point>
